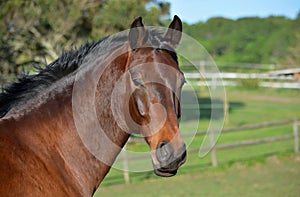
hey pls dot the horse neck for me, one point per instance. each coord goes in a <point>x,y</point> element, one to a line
<point>53,138</point>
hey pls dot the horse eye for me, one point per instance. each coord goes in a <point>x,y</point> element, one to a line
<point>182,83</point>
<point>138,82</point>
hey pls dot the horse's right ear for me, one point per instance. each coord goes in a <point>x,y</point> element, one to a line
<point>173,35</point>
<point>137,34</point>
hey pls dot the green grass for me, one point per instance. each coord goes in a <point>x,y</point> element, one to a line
<point>246,107</point>
<point>272,177</point>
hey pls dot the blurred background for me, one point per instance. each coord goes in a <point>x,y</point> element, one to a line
<point>256,46</point>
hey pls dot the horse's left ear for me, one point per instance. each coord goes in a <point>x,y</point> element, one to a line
<point>174,32</point>
<point>137,34</point>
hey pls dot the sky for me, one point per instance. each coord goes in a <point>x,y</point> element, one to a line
<point>193,11</point>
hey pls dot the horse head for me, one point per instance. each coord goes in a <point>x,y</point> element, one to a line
<point>155,83</point>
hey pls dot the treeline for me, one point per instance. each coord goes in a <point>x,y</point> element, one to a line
<point>37,31</point>
<point>272,40</point>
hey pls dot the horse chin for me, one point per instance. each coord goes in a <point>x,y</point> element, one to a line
<point>164,173</point>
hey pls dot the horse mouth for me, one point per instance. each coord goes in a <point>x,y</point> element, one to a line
<point>161,173</point>
<point>171,169</point>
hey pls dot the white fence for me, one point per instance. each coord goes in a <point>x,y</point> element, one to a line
<point>292,85</point>
<point>230,75</point>
<point>268,75</point>
<point>230,79</point>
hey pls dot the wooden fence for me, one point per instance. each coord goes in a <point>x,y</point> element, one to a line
<point>295,135</point>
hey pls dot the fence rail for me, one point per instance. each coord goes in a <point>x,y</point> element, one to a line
<point>227,75</point>
<point>294,135</point>
<point>292,85</point>
<point>230,79</point>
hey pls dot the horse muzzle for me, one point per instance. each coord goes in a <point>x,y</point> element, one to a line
<point>168,160</point>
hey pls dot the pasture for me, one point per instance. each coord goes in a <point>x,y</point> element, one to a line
<point>271,177</point>
<point>247,107</point>
<point>274,177</point>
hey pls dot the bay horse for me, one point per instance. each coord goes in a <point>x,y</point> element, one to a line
<point>45,151</point>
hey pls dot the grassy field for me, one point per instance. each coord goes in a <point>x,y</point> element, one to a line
<point>246,107</point>
<point>272,177</point>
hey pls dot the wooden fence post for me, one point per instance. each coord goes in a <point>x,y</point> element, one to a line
<point>125,168</point>
<point>296,136</point>
<point>202,77</point>
<point>213,149</point>
<point>226,110</point>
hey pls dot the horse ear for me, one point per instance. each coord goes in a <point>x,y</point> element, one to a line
<point>137,34</point>
<point>174,32</point>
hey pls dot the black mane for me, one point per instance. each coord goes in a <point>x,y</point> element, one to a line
<point>28,86</point>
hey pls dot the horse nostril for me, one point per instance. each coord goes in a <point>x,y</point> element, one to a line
<point>164,151</point>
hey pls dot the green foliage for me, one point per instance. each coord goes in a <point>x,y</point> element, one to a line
<point>293,57</point>
<point>255,40</point>
<point>36,31</point>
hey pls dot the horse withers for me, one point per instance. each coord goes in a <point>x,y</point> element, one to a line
<point>50,144</point>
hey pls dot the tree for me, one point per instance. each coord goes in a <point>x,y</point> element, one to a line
<point>36,31</point>
<point>248,40</point>
<point>293,57</point>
